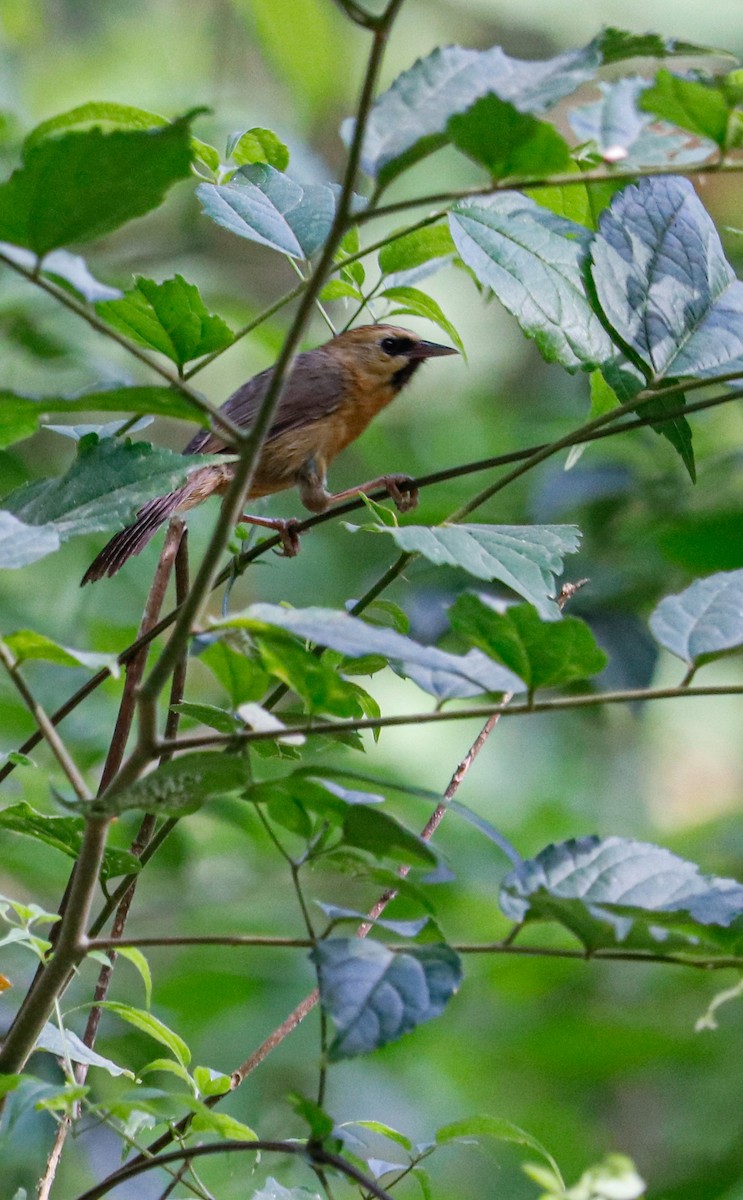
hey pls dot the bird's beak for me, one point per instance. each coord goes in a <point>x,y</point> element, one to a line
<point>423,350</point>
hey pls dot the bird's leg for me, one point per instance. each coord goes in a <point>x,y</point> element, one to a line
<point>398,489</point>
<point>286,529</point>
<point>315,496</point>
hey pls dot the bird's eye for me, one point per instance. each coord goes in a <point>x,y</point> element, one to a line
<point>396,345</point>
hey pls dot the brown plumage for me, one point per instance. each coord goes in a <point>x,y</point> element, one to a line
<point>329,399</point>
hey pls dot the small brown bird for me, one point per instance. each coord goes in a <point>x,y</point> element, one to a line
<point>329,399</point>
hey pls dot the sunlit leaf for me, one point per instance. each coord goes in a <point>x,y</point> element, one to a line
<point>699,107</point>
<point>258,146</point>
<point>153,1027</point>
<point>27,644</point>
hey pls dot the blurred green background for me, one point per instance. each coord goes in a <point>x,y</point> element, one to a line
<point>588,1057</point>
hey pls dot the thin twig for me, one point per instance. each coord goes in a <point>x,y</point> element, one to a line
<point>45,724</point>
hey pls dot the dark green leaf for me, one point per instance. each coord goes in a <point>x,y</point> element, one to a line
<point>542,653</point>
<point>321,1123</point>
<point>383,836</point>
<point>258,146</point>
<point>533,261</point>
<point>65,834</point>
<point>98,182</point>
<point>700,108</point>
<point>182,785</point>
<point>265,206</point>
<point>375,995</point>
<point>356,638</point>
<point>508,142</point>
<point>20,416</point>
<point>703,622</point>
<point>170,317</point>
<point>616,45</point>
<point>524,557</point>
<point>103,489</point>
<point>611,890</point>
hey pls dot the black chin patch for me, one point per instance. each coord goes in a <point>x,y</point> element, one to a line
<point>406,373</point>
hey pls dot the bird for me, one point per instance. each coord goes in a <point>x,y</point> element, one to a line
<point>331,395</point>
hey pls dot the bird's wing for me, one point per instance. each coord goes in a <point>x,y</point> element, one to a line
<point>315,388</point>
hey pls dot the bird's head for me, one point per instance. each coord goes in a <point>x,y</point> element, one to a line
<point>385,354</point>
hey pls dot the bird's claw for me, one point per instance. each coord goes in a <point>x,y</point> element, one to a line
<point>288,531</point>
<point>404,500</point>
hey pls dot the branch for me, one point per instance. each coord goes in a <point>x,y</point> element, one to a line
<point>45,724</point>
<point>313,1154</point>
<point>562,179</point>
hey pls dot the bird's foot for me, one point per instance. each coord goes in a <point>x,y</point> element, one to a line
<point>398,489</point>
<point>288,531</point>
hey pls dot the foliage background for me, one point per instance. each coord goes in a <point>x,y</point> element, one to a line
<point>588,1057</point>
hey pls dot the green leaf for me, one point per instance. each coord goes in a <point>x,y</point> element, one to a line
<point>20,416</point>
<point>316,681</point>
<point>542,653</point>
<point>383,836</point>
<point>339,289</point>
<point>508,142</point>
<point>153,1027</point>
<point>65,834</point>
<point>410,120</point>
<point>496,1127</point>
<point>180,786</point>
<point>230,660</point>
<point>409,929</point>
<point>701,108</point>
<point>66,1044</point>
<point>416,248</point>
<point>321,1123</point>
<point>705,621</point>
<point>267,207</point>
<point>524,557</point>
<point>27,644</point>
<point>614,891</point>
<point>103,489</point>
<point>210,1082</point>
<point>140,963</point>
<point>418,304</point>
<point>64,267</point>
<point>99,181</point>
<point>617,45</point>
<point>207,1120</point>
<point>258,146</point>
<point>375,995</point>
<point>533,261</point>
<point>169,317</point>
<point>209,714</point>
<point>351,636</point>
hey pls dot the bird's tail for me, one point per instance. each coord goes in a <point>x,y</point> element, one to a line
<point>136,536</point>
